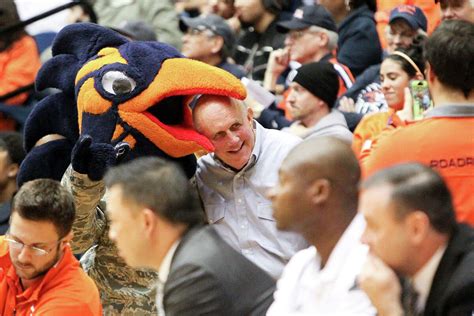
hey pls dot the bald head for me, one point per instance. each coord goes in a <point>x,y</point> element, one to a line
<point>228,124</point>
<point>329,158</point>
<point>208,105</point>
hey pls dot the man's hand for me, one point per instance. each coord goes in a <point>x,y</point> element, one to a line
<point>278,61</point>
<point>382,286</point>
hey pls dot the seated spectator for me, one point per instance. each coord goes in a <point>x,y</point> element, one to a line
<point>211,40</point>
<point>136,31</point>
<point>11,156</point>
<point>358,44</point>
<point>412,234</point>
<point>39,273</point>
<point>223,8</point>
<point>396,72</point>
<point>156,222</point>
<point>311,36</point>
<point>382,15</point>
<point>457,10</point>
<point>226,9</point>
<point>316,196</point>
<point>232,181</point>
<point>406,25</point>
<point>442,140</point>
<point>310,102</point>
<point>19,61</point>
<point>161,15</point>
<point>258,36</point>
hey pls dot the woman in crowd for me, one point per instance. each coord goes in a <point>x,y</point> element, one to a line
<point>396,72</point>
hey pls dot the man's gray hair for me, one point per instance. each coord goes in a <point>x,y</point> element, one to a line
<point>332,36</point>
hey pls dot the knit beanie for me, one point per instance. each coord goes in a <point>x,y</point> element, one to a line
<point>321,79</point>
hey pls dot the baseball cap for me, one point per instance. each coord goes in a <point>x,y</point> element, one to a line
<point>413,15</point>
<point>212,22</point>
<point>307,16</point>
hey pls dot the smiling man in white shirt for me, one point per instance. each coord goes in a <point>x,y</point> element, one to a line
<point>232,181</point>
<point>316,196</point>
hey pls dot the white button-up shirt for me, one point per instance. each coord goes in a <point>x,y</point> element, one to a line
<point>235,202</point>
<point>163,273</point>
<point>306,289</point>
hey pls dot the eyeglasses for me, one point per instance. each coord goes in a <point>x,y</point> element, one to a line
<point>197,32</point>
<point>36,251</point>
<point>403,35</point>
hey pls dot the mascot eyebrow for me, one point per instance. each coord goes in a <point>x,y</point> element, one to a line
<point>114,90</point>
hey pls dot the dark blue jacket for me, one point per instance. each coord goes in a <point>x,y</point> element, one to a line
<point>359,45</point>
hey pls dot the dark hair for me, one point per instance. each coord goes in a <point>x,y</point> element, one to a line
<point>46,200</point>
<point>12,142</point>
<point>160,185</point>
<point>276,6</point>
<point>450,51</point>
<point>354,4</point>
<point>417,187</point>
<point>88,9</point>
<point>8,17</point>
<point>415,52</point>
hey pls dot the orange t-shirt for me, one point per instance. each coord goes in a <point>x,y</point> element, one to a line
<point>64,290</point>
<point>444,143</point>
<point>371,126</point>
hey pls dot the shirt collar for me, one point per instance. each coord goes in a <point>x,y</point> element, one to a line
<point>165,265</point>
<point>345,244</point>
<point>424,278</point>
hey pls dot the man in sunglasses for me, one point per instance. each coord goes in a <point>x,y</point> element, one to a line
<point>38,272</point>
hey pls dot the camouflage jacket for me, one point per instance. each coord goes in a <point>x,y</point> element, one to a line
<point>123,290</point>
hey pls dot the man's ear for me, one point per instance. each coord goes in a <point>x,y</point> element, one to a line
<point>67,239</point>
<point>429,73</point>
<point>320,189</point>
<point>148,222</point>
<point>324,39</point>
<point>249,114</point>
<point>218,44</point>
<point>13,169</point>
<point>418,226</point>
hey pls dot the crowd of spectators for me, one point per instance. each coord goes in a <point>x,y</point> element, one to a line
<point>335,199</point>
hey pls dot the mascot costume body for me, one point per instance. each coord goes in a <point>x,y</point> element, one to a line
<point>118,100</point>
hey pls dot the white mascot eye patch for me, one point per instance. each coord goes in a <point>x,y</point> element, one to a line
<point>117,83</point>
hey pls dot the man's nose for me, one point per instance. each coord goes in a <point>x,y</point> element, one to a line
<point>24,255</point>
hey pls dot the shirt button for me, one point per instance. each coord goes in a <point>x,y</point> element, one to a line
<point>239,201</point>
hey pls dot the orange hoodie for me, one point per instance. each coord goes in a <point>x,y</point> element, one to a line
<point>64,290</point>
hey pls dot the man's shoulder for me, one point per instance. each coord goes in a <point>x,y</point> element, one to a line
<point>453,285</point>
<point>200,244</point>
<point>71,290</point>
<point>278,139</point>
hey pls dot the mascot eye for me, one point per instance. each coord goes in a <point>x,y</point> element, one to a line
<point>117,83</point>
